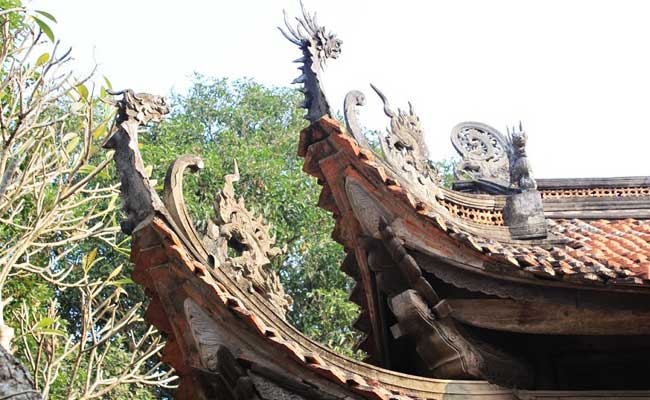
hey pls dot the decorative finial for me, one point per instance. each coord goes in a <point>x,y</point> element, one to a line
<point>317,46</point>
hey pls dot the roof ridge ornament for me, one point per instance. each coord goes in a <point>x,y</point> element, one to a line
<point>235,229</point>
<point>483,151</point>
<point>139,200</point>
<point>521,175</point>
<point>403,146</point>
<point>490,157</point>
<point>317,46</point>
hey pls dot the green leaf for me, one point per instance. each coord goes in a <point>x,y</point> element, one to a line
<point>69,136</point>
<point>69,148</point>
<point>44,323</point>
<point>83,91</point>
<point>45,28</point>
<point>46,15</point>
<point>86,169</point>
<point>50,331</point>
<point>100,131</point>
<point>114,273</point>
<point>123,281</point>
<point>90,258</point>
<point>42,59</point>
<point>108,83</point>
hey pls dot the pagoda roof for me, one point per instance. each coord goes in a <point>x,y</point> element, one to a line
<point>583,245</point>
<point>477,283</point>
<point>227,336</point>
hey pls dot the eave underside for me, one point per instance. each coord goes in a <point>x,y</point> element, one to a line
<point>598,265</point>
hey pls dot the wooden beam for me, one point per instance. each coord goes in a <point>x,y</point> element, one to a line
<point>550,319</point>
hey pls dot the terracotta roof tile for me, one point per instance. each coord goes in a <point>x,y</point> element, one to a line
<point>593,251</point>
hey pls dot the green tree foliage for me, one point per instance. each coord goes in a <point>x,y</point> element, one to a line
<point>64,285</point>
<point>223,121</point>
<point>65,311</point>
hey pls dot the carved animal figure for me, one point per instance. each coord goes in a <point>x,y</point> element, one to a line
<point>520,169</point>
<point>317,46</point>
<point>404,146</point>
<point>133,110</point>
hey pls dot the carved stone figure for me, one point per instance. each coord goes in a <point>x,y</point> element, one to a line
<point>520,170</point>
<point>317,46</point>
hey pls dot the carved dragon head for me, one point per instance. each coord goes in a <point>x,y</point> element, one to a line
<point>317,46</point>
<point>140,107</point>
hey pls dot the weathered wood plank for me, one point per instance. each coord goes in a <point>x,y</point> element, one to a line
<point>552,319</point>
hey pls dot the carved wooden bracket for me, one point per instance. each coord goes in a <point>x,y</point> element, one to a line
<point>447,349</point>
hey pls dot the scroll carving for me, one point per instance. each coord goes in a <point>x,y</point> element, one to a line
<point>175,202</point>
<point>234,229</point>
<point>353,100</point>
<point>488,155</point>
<point>317,46</point>
<point>484,152</point>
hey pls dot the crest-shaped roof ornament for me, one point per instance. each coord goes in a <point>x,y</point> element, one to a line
<point>241,243</point>
<point>317,46</point>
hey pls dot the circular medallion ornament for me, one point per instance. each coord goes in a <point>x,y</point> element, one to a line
<point>484,151</point>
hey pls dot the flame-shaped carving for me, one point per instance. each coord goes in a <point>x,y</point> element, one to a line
<point>234,227</point>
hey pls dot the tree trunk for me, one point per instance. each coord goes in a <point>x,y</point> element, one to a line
<point>15,383</point>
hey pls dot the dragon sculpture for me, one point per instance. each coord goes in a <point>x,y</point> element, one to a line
<point>404,147</point>
<point>233,226</point>
<point>317,46</point>
<point>133,110</point>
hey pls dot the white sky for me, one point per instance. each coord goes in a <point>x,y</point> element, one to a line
<point>577,73</point>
